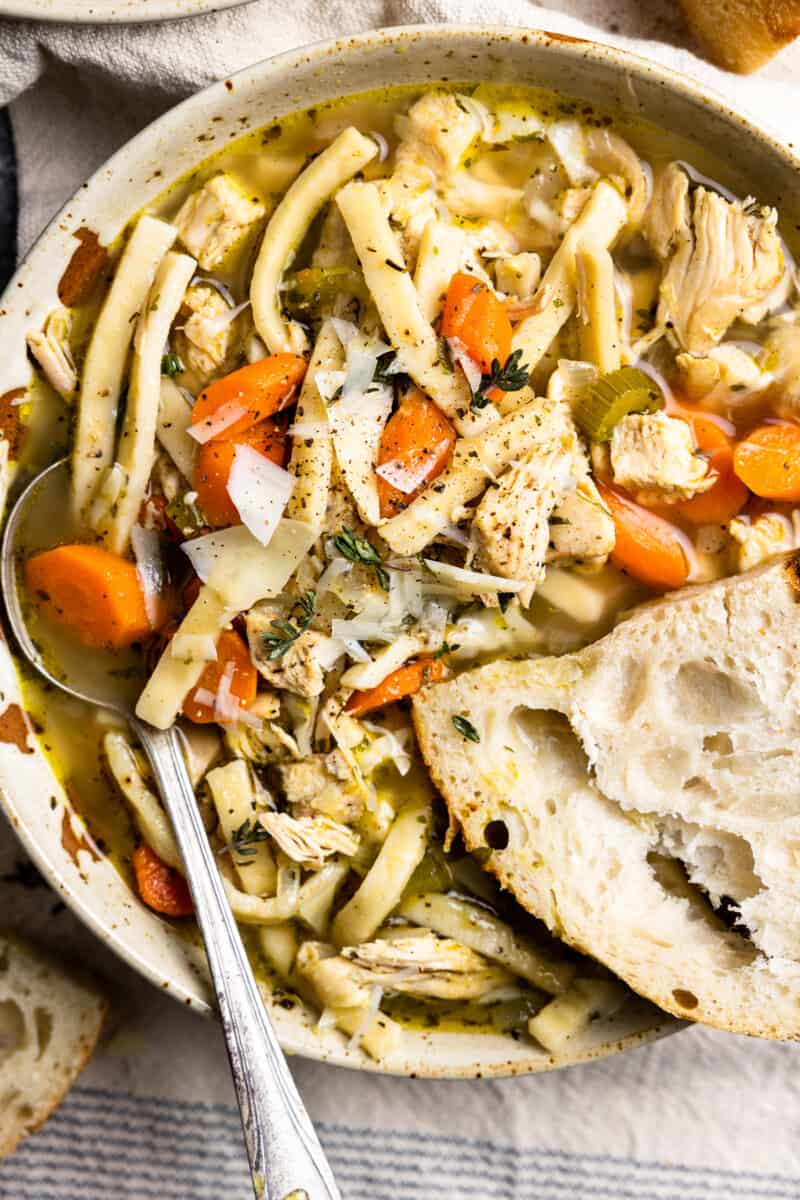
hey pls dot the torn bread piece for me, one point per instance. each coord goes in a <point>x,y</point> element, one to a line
<point>742,35</point>
<point>641,795</point>
<point>50,1020</point>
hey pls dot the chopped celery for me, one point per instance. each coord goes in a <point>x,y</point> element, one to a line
<point>613,397</point>
<point>315,286</point>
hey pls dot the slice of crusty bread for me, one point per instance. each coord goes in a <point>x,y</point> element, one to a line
<point>50,1021</point>
<point>742,35</point>
<point>669,749</point>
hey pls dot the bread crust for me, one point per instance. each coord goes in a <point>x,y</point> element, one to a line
<point>742,35</point>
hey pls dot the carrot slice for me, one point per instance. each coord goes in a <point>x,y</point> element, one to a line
<point>729,495</point>
<point>94,593</point>
<point>213,467</point>
<point>647,547</point>
<point>405,681</point>
<point>419,440</point>
<point>258,390</point>
<point>768,461</point>
<point>160,886</point>
<point>473,314</point>
<point>233,657</point>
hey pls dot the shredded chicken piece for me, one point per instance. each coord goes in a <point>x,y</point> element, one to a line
<point>425,964</point>
<point>299,669</point>
<point>653,457</point>
<point>782,360</point>
<point>581,526</point>
<point>724,370</point>
<point>321,785</point>
<point>762,538</point>
<point>258,745</point>
<point>310,841</point>
<point>435,135</point>
<point>511,523</point>
<point>214,220</point>
<point>204,335</point>
<point>723,261</point>
<point>611,156</point>
<point>51,349</point>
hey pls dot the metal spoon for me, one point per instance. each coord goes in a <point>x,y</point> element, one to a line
<point>286,1159</point>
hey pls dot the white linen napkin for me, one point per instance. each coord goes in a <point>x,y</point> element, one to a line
<point>699,1116</point>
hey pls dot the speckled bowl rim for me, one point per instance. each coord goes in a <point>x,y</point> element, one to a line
<point>460,1055</point>
<point>104,12</point>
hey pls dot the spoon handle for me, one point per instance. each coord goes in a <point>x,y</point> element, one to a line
<point>286,1160</point>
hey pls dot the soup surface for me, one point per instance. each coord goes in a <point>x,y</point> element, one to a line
<point>392,387</point>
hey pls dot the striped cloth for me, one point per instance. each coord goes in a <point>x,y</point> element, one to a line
<point>699,1116</point>
<point>102,1143</point>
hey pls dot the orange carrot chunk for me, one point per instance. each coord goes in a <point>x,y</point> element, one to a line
<point>418,443</point>
<point>729,495</point>
<point>233,659</point>
<point>92,592</point>
<point>647,547</point>
<point>473,314</point>
<point>768,461</point>
<point>213,468</point>
<point>160,886</point>
<point>249,395</point>
<point>405,681</point>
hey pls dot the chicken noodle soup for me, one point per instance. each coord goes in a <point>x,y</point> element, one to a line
<point>406,383</point>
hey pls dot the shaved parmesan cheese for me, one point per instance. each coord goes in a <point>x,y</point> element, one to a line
<point>335,568</point>
<point>363,630</point>
<point>250,719</point>
<point>357,422</point>
<point>390,743</point>
<point>471,583</point>
<point>204,696</point>
<point>451,533</point>
<point>193,647</point>
<point>149,568</point>
<point>370,1013</point>
<point>356,650</point>
<point>361,363</point>
<point>218,286</point>
<point>328,383</point>
<point>346,331</point>
<point>216,325</point>
<point>460,356</point>
<point>225,416</point>
<point>405,595</point>
<point>407,475</point>
<point>259,490</point>
<point>226,704</point>
<point>240,570</point>
<point>327,651</point>
<point>369,675</point>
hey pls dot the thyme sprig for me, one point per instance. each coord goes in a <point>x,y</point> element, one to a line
<point>284,633</point>
<point>245,839</point>
<point>511,377</point>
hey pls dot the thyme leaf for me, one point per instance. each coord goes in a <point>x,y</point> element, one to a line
<point>466,729</point>
<point>358,550</point>
<point>284,634</point>
<point>511,377</point>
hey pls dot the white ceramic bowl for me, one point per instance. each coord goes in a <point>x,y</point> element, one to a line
<point>31,796</point>
<point>100,12</point>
